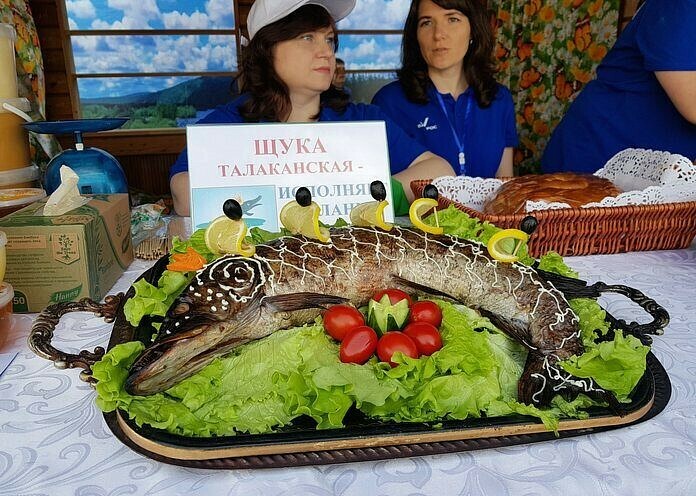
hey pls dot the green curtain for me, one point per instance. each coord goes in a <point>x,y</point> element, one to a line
<point>546,52</point>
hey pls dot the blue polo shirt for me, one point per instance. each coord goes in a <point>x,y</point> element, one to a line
<point>483,132</point>
<point>625,106</point>
<point>402,149</point>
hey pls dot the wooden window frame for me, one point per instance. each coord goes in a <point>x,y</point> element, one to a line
<point>126,142</point>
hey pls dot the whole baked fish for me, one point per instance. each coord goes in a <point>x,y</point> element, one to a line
<point>291,280</point>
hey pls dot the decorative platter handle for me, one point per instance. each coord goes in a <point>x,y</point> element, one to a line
<point>576,288</point>
<point>42,333</point>
<point>655,310</point>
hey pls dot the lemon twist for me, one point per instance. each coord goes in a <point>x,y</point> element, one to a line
<point>304,220</point>
<point>370,214</point>
<point>511,238</point>
<point>225,235</point>
<point>416,211</point>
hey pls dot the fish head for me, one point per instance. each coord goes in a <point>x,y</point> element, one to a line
<point>204,321</point>
<point>223,289</point>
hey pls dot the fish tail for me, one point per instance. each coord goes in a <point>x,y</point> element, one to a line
<point>542,378</point>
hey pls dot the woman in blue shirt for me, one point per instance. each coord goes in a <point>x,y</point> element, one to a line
<point>446,96</point>
<point>286,67</point>
<point>644,95</point>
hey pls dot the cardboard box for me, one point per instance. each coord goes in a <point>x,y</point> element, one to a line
<point>67,257</point>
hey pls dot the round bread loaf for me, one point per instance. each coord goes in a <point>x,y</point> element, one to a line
<point>567,187</point>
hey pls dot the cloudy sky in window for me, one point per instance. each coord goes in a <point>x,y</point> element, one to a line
<point>174,53</point>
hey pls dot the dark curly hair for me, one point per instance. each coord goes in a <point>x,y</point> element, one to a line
<point>268,95</point>
<point>479,67</point>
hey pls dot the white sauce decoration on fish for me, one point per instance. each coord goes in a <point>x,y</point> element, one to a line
<point>289,281</point>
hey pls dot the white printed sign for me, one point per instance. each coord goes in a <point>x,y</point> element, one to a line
<point>262,165</point>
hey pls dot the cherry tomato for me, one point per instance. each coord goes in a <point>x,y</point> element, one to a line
<point>392,342</point>
<point>395,296</point>
<point>339,319</point>
<point>358,345</point>
<point>426,311</point>
<point>426,336</point>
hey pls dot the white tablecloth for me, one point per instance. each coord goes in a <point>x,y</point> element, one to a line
<point>54,441</point>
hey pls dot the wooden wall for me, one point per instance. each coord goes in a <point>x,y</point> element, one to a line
<point>145,155</point>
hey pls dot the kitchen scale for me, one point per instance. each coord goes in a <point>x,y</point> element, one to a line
<point>98,170</point>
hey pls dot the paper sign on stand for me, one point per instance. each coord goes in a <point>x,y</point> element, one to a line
<point>262,165</point>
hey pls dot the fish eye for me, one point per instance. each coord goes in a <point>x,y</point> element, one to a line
<point>181,309</point>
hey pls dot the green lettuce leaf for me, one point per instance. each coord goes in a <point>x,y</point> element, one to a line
<point>457,223</point>
<point>195,241</point>
<point>154,300</point>
<point>615,365</point>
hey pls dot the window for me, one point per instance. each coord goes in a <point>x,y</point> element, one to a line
<point>370,45</point>
<point>166,63</point>
<point>154,62</point>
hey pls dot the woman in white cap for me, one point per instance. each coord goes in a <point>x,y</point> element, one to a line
<point>287,65</point>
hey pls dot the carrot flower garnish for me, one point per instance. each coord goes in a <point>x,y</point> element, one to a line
<point>186,262</point>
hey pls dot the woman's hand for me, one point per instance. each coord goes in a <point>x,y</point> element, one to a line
<point>505,168</point>
<point>680,87</point>
<point>179,186</point>
<point>427,165</point>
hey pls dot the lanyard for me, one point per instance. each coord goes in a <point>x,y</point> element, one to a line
<point>460,143</point>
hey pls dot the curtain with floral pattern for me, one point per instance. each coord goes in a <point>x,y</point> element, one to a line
<point>546,51</point>
<point>29,62</point>
<point>30,73</point>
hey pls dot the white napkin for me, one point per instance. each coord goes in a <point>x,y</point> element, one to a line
<point>66,197</point>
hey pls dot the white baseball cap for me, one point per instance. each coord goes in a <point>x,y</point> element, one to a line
<point>265,12</point>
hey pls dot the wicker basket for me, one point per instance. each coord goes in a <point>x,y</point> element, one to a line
<point>591,231</point>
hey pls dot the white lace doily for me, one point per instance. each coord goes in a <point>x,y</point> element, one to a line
<point>646,177</point>
<point>469,191</point>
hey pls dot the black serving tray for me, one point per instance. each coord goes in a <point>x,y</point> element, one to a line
<point>365,439</point>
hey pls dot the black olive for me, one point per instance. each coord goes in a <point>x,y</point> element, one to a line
<point>232,209</point>
<point>303,196</point>
<point>378,191</point>
<point>529,224</point>
<point>430,191</point>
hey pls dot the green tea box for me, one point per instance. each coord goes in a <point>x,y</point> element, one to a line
<point>54,259</point>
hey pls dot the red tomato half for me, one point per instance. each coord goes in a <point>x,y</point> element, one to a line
<point>426,311</point>
<point>426,336</point>
<point>395,296</point>
<point>339,319</point>
<point>392,342</point>
<point>358,345</point>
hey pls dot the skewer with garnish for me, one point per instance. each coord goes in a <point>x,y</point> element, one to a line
<point>423,205</point>
<point>301,216</point>
<point>371,213</point>
<point>502,239</point>
<point>226,233</point>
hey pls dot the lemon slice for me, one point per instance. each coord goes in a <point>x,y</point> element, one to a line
<point>303,220</point>
<point>225,235</point>
<point>370,214</point>
<point>416,211</point>
<point>513,238</point>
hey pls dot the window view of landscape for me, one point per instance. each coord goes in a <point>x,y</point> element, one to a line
<point>186,67</point>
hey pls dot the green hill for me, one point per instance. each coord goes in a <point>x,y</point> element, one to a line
<point>202,93</point>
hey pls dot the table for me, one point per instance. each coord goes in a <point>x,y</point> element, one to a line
<point>54,441</point>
